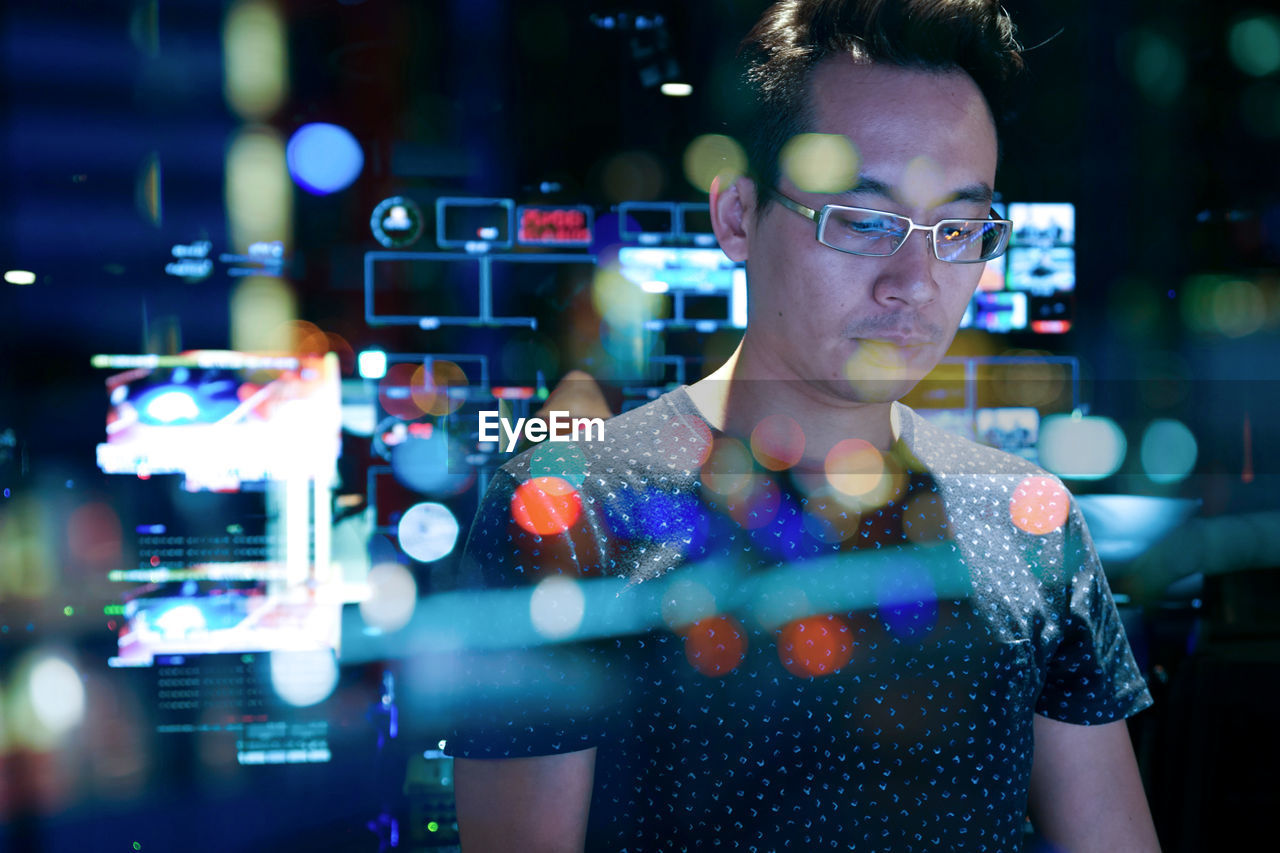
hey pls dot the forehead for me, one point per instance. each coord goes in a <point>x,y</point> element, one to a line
<point>894,116</point>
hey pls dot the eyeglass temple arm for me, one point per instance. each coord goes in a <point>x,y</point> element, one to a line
<point>799,208</point>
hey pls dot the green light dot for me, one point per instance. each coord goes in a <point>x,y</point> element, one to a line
<point>137,845</point>
<point>432,826</point>
<point>1255,45</point>
<point>68,610</point>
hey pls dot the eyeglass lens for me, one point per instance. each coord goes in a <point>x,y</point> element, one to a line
<point>871,232</point>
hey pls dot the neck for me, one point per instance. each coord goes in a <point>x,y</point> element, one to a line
<point>746,390</point>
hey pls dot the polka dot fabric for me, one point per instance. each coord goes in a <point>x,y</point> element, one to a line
<point>806,675</point>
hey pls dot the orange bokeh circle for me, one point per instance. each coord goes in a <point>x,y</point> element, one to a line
<point>815,645</point>
<point>1039,505</point>
<point>715,645</point>
<point>546,505</point>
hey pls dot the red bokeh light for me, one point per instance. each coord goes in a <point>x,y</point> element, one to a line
<point>778,442</point>
<point>715,645</point>
<point>546,505</point>
<point>815,645</point>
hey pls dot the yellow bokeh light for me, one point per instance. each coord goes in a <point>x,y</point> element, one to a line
<point>1238,308</point>
<point>431,391</point>
<point>1029,383</point>
<point>710,155</point>
<point>820,162</point>
<point>923,183</point>
<point>262,311</point>
<point>255,59</point>
<point>855,468</point>
<point>728,470</point>
<point>619,301</point>
<point>259,191</point>
<point>874,371</point>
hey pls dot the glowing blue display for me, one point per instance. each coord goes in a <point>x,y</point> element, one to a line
<point>323,158</point>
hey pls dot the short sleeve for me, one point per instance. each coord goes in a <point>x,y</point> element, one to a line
<point>523,693</point>
<point>1092,677</point>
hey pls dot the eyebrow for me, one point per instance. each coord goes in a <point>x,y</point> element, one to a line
<point>979,193</point>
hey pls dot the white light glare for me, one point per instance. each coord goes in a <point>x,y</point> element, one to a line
<point>372,364</point>
<point>556,607</point>
<point>677,90</point>
<point>20,277</point>
<point>57,695</point>
<point>305,677</point>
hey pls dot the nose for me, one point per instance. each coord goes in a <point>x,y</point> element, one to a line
<point>906,278</point>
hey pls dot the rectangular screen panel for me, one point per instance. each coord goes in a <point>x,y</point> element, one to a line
<point>539,286</point>
<point>695,224</point>
<point>194,618</point>
<point>1042,271</point>
<point>999,312</point>
<point>690,269</point>
<point>993,274</point>
<point>1043,224</point>
<point>646,222</point>
<point>1014,429</point>
<point>711,306</point>
<point>222,418</point>
<point>569,225</point>
<point>411,288</point>
<point>475,224</point>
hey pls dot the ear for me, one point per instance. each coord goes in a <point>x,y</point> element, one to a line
<point>733,210</point>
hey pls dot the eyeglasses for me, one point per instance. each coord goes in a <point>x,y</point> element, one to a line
<point>861,231</point>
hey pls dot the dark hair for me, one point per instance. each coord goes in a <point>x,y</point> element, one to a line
<point>793,36</point>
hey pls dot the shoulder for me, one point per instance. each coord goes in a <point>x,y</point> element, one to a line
<point>992,494</point>
<point>955,460</point>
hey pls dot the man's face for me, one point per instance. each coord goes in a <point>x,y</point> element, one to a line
<point>868,328</point>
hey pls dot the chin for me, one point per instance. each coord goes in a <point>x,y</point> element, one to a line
<point>877,389</point>
<point>882,374</point>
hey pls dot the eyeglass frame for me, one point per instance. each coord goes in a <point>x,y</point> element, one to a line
<point>820,217</point>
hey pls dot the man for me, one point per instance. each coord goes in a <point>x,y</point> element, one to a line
<point>828,623</point>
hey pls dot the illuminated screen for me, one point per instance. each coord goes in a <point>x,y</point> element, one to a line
<point>1029,287</point>
<point>413,288</point>
<point>997,312</point>
<point>1043,224</point>
<point>993,274</point>
<point>704,284</point>
<point>222,418</point>
<point>1014,429</point>
<point>1042,271</point>
<point>217,617</point>
<point>1041,253</point>
<point>554,226</point>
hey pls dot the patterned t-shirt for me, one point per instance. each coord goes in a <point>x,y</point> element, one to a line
<point>768,660</point>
